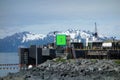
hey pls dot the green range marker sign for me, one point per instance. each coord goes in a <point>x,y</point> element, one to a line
<point>61,40</point>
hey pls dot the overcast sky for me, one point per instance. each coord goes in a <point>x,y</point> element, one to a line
<point>43,16</point>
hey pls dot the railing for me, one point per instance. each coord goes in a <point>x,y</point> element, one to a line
<point>9,67</point>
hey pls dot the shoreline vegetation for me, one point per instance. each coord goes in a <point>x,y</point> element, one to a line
<point>71,69</point>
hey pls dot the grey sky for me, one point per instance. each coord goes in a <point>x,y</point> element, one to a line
<point>42,16</point>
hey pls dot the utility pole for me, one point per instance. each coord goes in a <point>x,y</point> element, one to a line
<point>96,33</point>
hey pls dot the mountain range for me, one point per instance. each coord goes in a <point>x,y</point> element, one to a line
<point>25,39</point>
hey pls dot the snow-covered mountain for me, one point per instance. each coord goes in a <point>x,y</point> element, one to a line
<point>79,35</point>
<point>11,43</point>
<point>28,36</point>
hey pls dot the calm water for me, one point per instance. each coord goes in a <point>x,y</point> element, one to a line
<point>8,58</point>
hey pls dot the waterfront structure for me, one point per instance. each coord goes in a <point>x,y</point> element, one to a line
<point>30,56</point>
<point>34,56</point>
<point>23,57</point>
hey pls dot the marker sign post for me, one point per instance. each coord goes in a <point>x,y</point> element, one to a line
<point>60,40</point>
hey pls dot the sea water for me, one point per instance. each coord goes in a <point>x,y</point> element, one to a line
<point>8,58</point>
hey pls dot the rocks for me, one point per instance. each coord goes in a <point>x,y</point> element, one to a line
<point>83,69</point>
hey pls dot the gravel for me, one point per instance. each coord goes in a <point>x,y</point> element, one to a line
<point>83,69</point>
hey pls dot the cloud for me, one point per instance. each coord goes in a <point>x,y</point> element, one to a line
<point>7,31</point>
<point>47,15</point>
<point>62,7</point>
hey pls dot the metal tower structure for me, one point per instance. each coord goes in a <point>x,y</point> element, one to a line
<point>96,33</point>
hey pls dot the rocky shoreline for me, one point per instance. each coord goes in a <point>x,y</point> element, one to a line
<point>62,69</point>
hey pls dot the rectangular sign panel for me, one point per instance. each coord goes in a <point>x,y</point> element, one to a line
<point>60,39</point>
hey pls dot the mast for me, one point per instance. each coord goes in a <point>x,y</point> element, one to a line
<point>96,33</point>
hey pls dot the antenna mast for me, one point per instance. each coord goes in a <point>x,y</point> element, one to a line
<point>96,34</point>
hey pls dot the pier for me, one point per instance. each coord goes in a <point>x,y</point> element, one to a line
<point>9,67</point>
